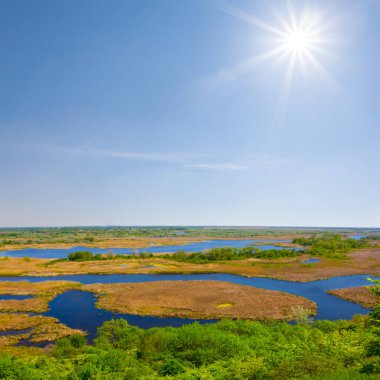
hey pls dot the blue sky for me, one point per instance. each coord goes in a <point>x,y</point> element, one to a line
<point>160,113</point>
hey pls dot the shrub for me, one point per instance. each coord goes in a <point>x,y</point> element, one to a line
<point>81,256</point>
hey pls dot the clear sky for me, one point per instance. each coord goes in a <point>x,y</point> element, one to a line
<point>190,112</point>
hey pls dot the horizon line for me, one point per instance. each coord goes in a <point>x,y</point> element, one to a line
<point>190,226</point>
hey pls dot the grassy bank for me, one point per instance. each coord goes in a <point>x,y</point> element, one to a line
<point>360,294</point>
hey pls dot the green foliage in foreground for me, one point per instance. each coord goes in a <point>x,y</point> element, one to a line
<point>329,245</point>
<point>230,253</point>
<point>227,350</point>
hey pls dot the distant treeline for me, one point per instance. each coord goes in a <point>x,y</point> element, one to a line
<point>88,235</point>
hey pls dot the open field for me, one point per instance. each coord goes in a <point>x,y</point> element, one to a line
<point>359,294</point>
<point>361,261</point>
<point>199,299</point>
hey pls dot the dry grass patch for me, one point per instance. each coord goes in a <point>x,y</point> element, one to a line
<point>42,329</point>
<point>198,299</point>
<point>11,340</point>
<point>359,294</point>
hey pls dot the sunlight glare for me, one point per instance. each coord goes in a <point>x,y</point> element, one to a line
<point>297,41</point>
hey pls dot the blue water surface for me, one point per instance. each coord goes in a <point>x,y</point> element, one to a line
<point>311,261</point>
<point>14,297</point>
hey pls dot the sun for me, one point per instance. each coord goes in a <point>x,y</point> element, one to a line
<point>295,42</point>
<point>298,36</point>
<point>298,41</point>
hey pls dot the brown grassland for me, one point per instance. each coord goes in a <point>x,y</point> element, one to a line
<point>35,328</point>
<point>199,299</point>
<point>359,294</point>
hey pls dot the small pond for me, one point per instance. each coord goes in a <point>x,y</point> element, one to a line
<point>357,237</point>
<point>311,261</point>
<point>14,297</point>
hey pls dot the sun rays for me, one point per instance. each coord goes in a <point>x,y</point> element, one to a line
<point>296,40</point>
<point>300,38</point>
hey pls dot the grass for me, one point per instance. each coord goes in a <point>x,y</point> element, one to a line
<point>359,294</point>
<point>42,328</point>
<point>199,299</point>
<point>346,375</point>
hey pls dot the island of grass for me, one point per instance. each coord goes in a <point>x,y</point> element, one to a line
<point>359,294</point>
<point>33,328</point>
<point>200,300</point>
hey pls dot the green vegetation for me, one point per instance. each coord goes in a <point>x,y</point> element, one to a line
<point>89,256</point>
<point>373,237</point>
<point>329,245</point>
<point>210,255</point>
<point>230,253</point>
<point>225,350</point>
<point>81,256</point>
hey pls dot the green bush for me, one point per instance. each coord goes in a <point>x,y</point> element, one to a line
<point>329,245</point>
<point>227,350</point>
<point>230,253</point>
<point>81,256</point>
